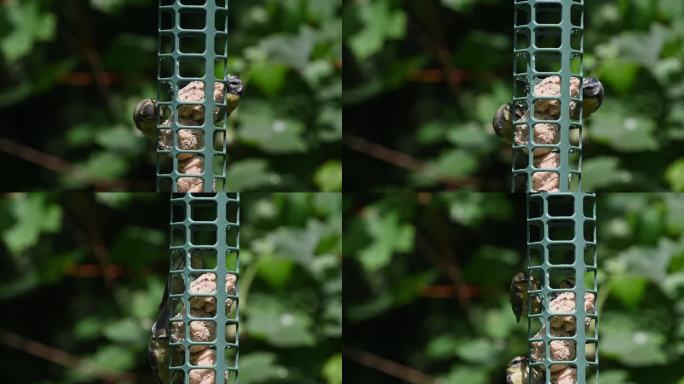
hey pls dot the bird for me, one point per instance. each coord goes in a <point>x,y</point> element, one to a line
<point>234,92</point>
<point>519,295</point>
<point>592,99</point>
<point>158,346</point>
<point>567,283</point>
<point>502,123</point>
<point>518,371</point>
<point>145,117</point>
<point>147,111</point>
<point>592,95</point>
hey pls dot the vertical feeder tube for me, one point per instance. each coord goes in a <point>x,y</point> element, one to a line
<point>192,69</point>
<point>204,288</point>
<point>562,266</point>
<point>547,100</point>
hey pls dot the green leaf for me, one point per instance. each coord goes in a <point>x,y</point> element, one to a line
<point>293,51</point>
<point>476,351</point>
<point>459,5</point>
<point>105,165</point>
<point>250,174</point>
<point>603,171</point>
<point>276,271</point>
<point>271,133</point>
<point>260,367</point>
<point>31,24</point>
<point>629,289</point>
<point>379,24</point>
<point>125,331</point>
<point>329,176</point>
<point>113,358</point>
<point>622,129</point>
<point>631,343</point>
<point>613,377</point>
<point>642,47</point>
<point>278,323</point>
<point>269,77</point>
<point>120,139</point>
<point>619,74</point>
<point>34,215</point>
<point>675,175</point>
<point>388,235</point>
<point>332,369</point>
<point>469,374</point>
<point>450,164</point>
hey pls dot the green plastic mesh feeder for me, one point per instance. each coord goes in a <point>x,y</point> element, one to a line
<point>548,48</point>
<point>561,219</point>
<point>192,57</point>
<point>204,288</point>
<point>561,246</point>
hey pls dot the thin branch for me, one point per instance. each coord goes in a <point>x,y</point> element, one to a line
<point>57,164</point>
<point>400,160</point>
<point>58,356</point>
<point>35,156</point>
<point>389,367</point>
<point>90,238</point>
<point>383,153</point>
<point>451,268</point>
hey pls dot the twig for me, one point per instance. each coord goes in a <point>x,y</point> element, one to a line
<point>399,159</point>
<point>85,231</point>
<point>58,356</point>
<point>451,268</point>
<point>389,367</point>
<point>57,164</point>
<point>383,153</point>
<point>35,156</point>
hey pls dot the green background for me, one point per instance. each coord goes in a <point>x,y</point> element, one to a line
<point>83,274</point>
<point>424,78</point>
<point>427,276</point>
<point>71,72</point>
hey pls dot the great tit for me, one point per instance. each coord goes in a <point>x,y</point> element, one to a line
<point>518,294</point>
<point>519,372</point>
<point>502,123</point>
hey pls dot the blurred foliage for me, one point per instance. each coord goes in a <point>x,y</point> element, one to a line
<point>71,72</point>
<point>424,78</point>
<point>427,276</point>
<point>84,273</point>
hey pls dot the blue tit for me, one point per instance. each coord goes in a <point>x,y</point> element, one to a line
<point>234,92</point>
<point>519,372</point>
<point>234,89</point>
<point>502,123</point>
<point>145,118</point>
<point>592,95</point>
<point>592,98</point>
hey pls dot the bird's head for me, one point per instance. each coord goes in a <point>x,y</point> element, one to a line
<point>592,89</point>
<point>517,362</point>
<point>235,86</point>
<point>520,278</point>
<point>145,112</point>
